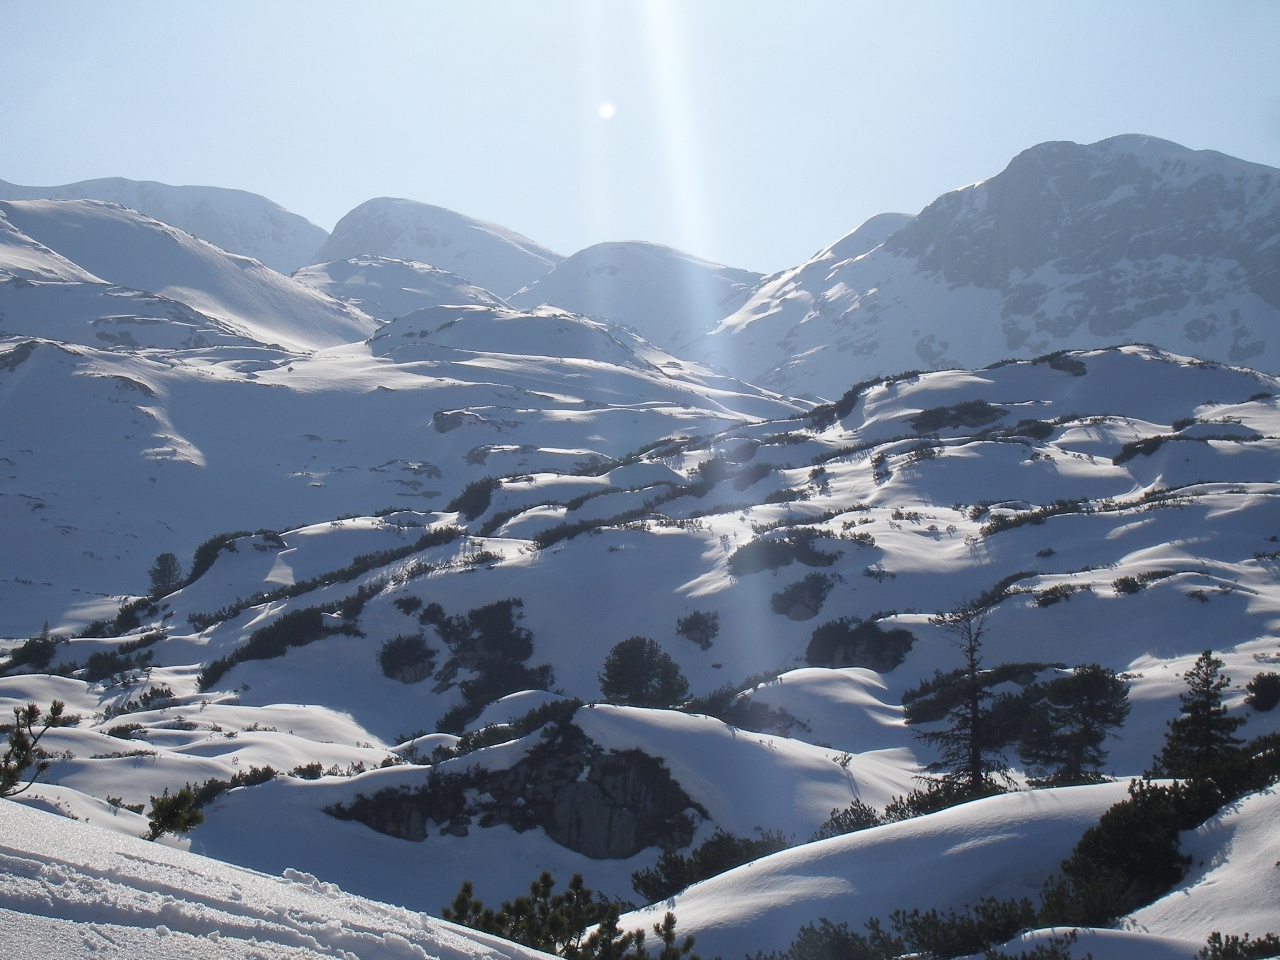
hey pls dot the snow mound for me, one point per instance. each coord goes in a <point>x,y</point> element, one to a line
<point>234,220</point>
<point>68,889</point>
<point>1002,846</point>
<point>486,254</point>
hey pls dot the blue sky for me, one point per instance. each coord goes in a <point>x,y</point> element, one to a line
<point>747,132</point>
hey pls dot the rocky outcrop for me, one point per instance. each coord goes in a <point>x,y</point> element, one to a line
<point>603,804</point>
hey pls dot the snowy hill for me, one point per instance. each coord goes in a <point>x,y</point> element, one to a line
<point>234,220</point>
<point>177,439</point>
<point>387,289</point>
<point>1130,239</point>
<point>121,246</point>
<point>485,254</point>
<point>1115,506</point>
<point>669,297</point>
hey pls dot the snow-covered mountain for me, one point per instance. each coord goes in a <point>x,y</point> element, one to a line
<point>234,220</point>
<point>486,254</point>
<point>121,246</point>
<point>1130,239</point>
<point>669,297</point>
<point>386,288</point>
<point>463,507</point>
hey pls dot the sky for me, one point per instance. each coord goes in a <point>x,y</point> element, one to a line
<point>750,133</point>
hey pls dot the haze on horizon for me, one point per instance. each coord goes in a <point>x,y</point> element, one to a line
<point>744,132</point>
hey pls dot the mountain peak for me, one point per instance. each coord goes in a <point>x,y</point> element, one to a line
<point>486,254</point>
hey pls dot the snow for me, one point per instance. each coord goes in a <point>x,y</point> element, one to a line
<point>666,296</point>
<point>155,390</point>
<point>70,889</point>
<point>486,254</point>
<point>234,220</point>
<point>387,288</point>
<point>124,247</point>
<point>1004,846</point>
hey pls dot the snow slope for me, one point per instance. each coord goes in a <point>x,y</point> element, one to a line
<point>1131,239</point>
<point>176,439</point>
<point>123,247</point>
<point>668,297</point>
<point>234,220</point>
<point>1004,846</point>
<point>69,889</point>
<point>387,289</point>
<point>486,254</point>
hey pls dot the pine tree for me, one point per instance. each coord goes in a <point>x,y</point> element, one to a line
<point>166,575</point>
<point>977,723</point>
<point>637,672</point>
<point>24,760</point>
<point>1201,743</point>
<point>1062,741</point>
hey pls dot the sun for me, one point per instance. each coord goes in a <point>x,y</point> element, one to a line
<point>607,109</point>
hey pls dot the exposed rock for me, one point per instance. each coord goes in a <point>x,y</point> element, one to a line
<point>602,804</point>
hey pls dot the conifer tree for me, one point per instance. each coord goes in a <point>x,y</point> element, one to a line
<point>1062,741</point>
<point>1201,743</point>
<point>166,575</point>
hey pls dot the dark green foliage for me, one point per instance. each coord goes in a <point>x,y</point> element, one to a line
<point>297,628</point>
<point>928,936</point>
<point>1264,691</point>
<point>124,731</point>
<point>474,499</point>
<point>359,565</point>
<point>1131,857</point>
<point>720,852</point>
<point>1061,743</point>
<point>935,795</point>
<point>834,941</point>
<point>971,413</point>
<point>488,641</point>
<point>208,551</point>
<point>213,788</point>
<point>1056,593</point>
<point>718,703</point>
<point>1232,947</point>
<point>785,495</point>
<point>109,663</point>
<point>701,626</point>
<point>408,605</point>
<point>977,723</point>
<point>639,673</point>
<point>1146,446</point>
<point>24,760</point>
<point>406,658</point>
<point>803,599</point>
<point>850,642</point>
<point>36,653</point>
<point>971,930</point>
<point>308,771</point>
<point>752,474</point>
<point>1201,742</point>
<point>1060,360</point>
<point>1035,517</point>
<point>173,813</point>
<point>857,816</point>
<point>567,531</point>
<point>1035,429</point>
<point>1128,585</point>
<point>557,923</point>
<point>769,553</point>
<point>166,575</point>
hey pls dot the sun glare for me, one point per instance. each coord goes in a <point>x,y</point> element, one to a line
<point>607,109</point>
